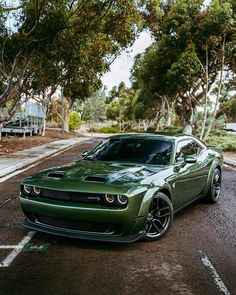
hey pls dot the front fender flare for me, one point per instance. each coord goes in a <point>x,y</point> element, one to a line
<point>148,197</point>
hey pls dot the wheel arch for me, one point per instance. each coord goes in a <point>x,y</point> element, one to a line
<point>215,165</point>
<point>149,197</point>
<point>165,191</point>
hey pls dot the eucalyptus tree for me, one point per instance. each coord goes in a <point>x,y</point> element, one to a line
<point>66,42</point>
<point>194,47</point>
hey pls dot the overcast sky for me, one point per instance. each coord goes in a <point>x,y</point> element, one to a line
<point>120,68</point>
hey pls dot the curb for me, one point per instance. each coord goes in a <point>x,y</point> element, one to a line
<point>230,161</point>
<point>53,148</point>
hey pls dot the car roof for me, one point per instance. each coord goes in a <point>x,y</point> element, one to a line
<point>159,135</point>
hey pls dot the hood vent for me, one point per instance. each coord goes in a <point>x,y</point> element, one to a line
<point>57,175</point>
<point>95,179</point>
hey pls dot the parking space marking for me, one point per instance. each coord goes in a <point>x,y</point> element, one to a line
<point>8,247</point>
<point>218,281</point>
<point>9,259</point>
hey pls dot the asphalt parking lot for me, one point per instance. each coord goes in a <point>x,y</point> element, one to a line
<point>198,256</point>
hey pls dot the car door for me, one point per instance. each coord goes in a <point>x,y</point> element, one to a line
<point>191,178</point>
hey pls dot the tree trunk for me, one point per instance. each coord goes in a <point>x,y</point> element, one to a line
<point>145,125</point>
<point>67,111</point>
<point>218,92</point>
<point>1,125</point>
<point>168,115</point>
<point>160,113</point>
<point>187,114</point>
<point>206,96</point>
<point>168,105</point>
<point>66,121</point>
<point>44,120</point>
<point>188,130</point>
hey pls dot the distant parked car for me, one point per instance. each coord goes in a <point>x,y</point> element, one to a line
<point>127,188</point>
<point>231,127</point>
<point>229,130</point>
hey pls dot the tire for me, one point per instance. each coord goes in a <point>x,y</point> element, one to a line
<point>213,193</point>
<point>159,217</point>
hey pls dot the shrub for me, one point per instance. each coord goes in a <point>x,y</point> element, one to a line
<point>172,129</point>
<point>112,129</point>
<point>74,121</point>
<point>151,129</point>
<point>222,140</point>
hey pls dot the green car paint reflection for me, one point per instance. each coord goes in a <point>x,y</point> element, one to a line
<point>127,188</point>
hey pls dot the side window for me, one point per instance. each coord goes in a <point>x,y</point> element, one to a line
<point>187,148</point>
<point>197,148</point>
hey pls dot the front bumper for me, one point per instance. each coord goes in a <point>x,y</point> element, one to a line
<point>127,219</point>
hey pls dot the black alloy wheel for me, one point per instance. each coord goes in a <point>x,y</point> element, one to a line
<point>159,217</point>
<point>215,188</point>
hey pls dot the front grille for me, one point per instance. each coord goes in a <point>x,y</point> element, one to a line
<point>75,197</point>
<point>72,196</point>
<point>99,227</point>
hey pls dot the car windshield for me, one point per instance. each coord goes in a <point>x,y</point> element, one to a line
<point>144,151</point>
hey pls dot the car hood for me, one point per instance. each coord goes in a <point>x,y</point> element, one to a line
<point>86,171</point>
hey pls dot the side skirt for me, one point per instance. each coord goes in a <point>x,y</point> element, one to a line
<point>201,196</point>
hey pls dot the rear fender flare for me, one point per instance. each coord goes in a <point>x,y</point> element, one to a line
<point>214,165</point>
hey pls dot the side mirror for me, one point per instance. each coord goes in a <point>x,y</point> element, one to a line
<point>84,154</point>
<point>190,159</point>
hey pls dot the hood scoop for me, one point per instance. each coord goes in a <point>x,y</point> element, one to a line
<point>95,179</point>
<point>56,175</point>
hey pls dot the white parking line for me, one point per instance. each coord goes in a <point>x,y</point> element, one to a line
<point>8,247</point>
<point>218,281</point>
<point>9,259</point>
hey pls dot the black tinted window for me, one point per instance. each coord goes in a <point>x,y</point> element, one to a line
<point>149,151</point>
<point>187,148</point>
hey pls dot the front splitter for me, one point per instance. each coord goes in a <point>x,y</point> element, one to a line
<point>81,235</point>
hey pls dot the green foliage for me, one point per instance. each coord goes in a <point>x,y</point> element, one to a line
<point>172,129</point>
<point>219,132</point>
<point>184,71</point>
<point>222,140</point>
<point>108,129</point>
<point>112,129</point>
<point>228,108</point>
<point>74,121</point>
<point>139,110</point>
<point>95,107</point>
<point>173,69</point>
<point>151,129</point>
<point>120,108</point>
<point>113,110</point>
<point>63,42</point>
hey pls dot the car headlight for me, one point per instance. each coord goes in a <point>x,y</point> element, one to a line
<point>123,200</point>
<point>37,190</point>
<point>27,188</point>
<point>110,199</point>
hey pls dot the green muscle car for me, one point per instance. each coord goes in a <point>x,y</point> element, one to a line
<point>127,188</point>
